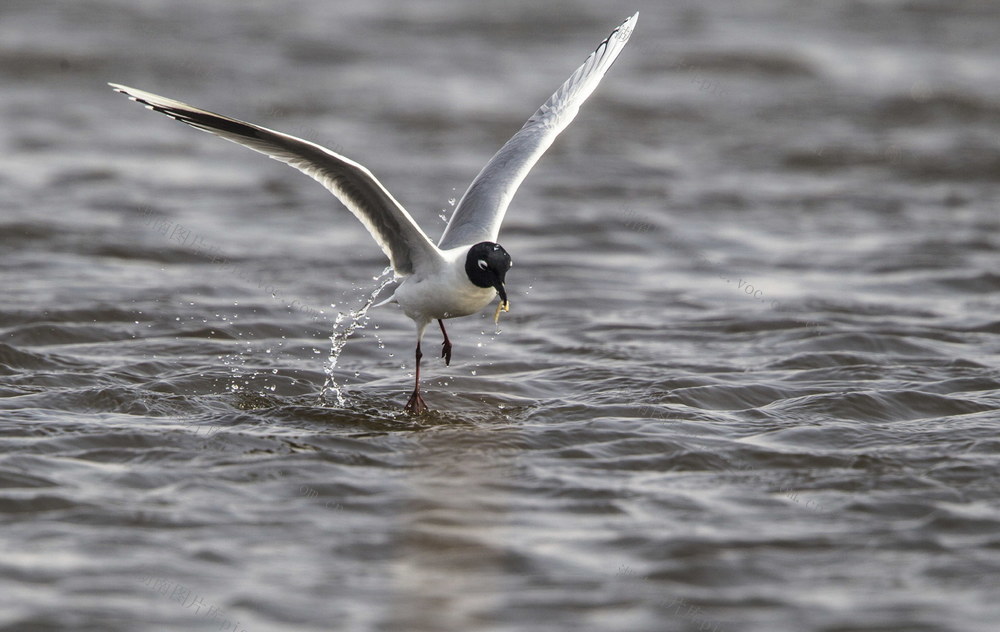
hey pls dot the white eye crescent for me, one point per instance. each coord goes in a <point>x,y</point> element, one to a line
<point>482,264</point>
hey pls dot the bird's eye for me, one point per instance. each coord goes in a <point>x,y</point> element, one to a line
<point>482,264</point>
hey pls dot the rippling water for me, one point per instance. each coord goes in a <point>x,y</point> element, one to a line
<point>749,382</point>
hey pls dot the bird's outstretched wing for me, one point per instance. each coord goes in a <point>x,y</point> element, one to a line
<point>481,210</point>
<point>402,240</point>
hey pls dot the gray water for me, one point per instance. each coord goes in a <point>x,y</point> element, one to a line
<point>749,381</point>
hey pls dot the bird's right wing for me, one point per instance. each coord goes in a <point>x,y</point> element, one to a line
<point>480,211</point>
<point>402,240</point>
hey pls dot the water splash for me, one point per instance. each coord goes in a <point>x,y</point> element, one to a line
<point>344,327</point>
<point>444,215</point>
<point>236,362</point>
<point>246,381</point>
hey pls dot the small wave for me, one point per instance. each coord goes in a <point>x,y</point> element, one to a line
<point>814,360</point>
<point>35,503</point>
<point>981,283</point>
<point>145,253</point>
<point>21,234</point>
<point>70,177</point>
<point>881,406</point>
<point>762,63</point>
<point>21,64</point>
<point>12,358</point>
<point>936,108</point>
<point>876,344</point>
<point>99,314</point>
<point>732,397</point>
<point>14,479</point>
<point>961,162</point>
<point>112,399</point>
<point>56,334</point>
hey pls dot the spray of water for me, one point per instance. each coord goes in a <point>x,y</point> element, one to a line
<point>344,327</point>
<point>444,215</point>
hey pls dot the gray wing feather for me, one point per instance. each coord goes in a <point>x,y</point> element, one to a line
<point>402,240</point>
<point>481,210</point>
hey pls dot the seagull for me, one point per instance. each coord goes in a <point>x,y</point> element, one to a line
<point>466,270</point>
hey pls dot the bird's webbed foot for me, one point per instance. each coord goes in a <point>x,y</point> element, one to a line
<point>416,404</point>
<point>446,345</point>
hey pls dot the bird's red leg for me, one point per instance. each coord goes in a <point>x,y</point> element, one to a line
<point>416,403</point>
<point>446,345</point>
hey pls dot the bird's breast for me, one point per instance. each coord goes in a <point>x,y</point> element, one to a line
<point>443,296</point>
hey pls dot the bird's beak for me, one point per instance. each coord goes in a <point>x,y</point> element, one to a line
<point>503,295</point>
<point>504,305</point>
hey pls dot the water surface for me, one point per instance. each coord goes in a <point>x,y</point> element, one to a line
<point>749,382</point>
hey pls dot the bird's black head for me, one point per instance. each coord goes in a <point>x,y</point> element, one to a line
<point>487,265</point>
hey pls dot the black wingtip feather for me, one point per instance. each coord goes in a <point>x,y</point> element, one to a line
<point>212,121</point>
<point>198,119</point>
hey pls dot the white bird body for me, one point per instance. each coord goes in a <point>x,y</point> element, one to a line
<point>442,292</point>
<point>466,270</point>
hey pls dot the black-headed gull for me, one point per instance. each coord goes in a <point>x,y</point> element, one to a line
<point>466,270</point>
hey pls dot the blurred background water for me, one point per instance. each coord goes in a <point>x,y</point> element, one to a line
<point>749,382</point>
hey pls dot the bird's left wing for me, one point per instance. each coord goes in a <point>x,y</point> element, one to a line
<point>480,211</point>
<point>402,240</point>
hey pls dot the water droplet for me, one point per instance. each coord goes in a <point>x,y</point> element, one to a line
<point>340,335</point>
